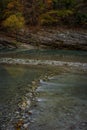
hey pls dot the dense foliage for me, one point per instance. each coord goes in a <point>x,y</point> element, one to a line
<point>42,12</point>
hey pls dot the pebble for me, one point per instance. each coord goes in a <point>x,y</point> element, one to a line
<point>32,121</point>
<point>33,83</point>
<point>30,112</point>
<point>29,95</point>
<point>26,125</point>
<point>28,102</point>
<point>19,123</point>
<point>17,112</point>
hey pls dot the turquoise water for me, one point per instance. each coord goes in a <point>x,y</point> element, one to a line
<point>65,55</point>
<point>61,101</point>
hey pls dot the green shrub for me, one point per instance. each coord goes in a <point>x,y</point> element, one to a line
<point>63,4</point>
<point>61,13</point>
<point>54,17</point>
<point>46,19</point>
<point>81,18</point>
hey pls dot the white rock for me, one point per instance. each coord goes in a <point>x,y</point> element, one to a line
<point>26,125</point>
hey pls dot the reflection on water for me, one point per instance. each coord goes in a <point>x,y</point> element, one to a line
<point>14,84</point>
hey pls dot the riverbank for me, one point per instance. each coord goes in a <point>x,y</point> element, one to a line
<point>52,38</point>
<point>42,62</point>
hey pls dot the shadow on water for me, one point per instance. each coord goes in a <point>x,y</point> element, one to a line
<point>5,85</point>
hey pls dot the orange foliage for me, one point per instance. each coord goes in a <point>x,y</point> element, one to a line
<point>14,5</point>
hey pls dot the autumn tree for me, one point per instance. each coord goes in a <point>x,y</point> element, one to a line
<point>13,7</point>
<point>31,11</point>
<point>14,23</point>
<point>3,6</point>
<point>13,17</point>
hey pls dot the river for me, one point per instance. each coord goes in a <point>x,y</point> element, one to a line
<point>59,100</point>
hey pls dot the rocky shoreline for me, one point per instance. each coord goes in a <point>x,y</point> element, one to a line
<point>42,62</point>
<point>47,38</point>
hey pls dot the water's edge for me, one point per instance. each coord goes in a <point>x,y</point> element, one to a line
<point>42,62</point>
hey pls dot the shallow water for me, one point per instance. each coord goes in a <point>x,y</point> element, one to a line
<point>61,103</point>
<point>15,83</point>
<point>63,55</point>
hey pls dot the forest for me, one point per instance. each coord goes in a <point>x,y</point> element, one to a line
<point>15,14</point>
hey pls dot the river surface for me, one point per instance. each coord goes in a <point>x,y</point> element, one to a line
<point>60,98</point>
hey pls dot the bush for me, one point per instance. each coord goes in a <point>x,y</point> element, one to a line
<point>61,13</point>
<point>46,19</point>
<point>55,17</point>
<point>14,22</point>
<point>63,4</point>
<point>81,18</point>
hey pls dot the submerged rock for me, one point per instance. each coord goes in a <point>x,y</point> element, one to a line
<point>25,126</point>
